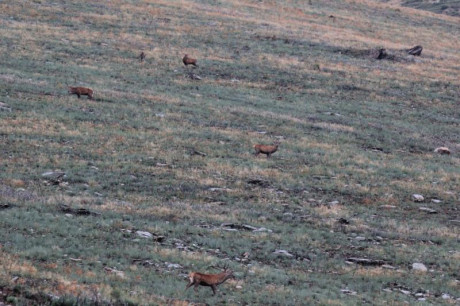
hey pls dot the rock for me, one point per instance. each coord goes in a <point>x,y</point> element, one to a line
<point>53,174</point>
<point>118,273</point>
<point>238,287</point>
<point>5,107</point>
<point>428,210</point>
<point>333,203</point>
<point>415,51</point>
<point>406,292</point>
<point>417,198</point>
<point>219,189</point>
<point>6,205</point>
<point>360,238</point>
<point>388,267</point>
<point>144,234</point>
<point>446,296</point>
<point>348,291</point>
<point>387,206</point>
<point>436,201</point>
<point>419,267</point>
<point>262,229</point>
<point>442,150</point>
<point>283,252</point>
<point>173,266</point>
<point>366,261</point>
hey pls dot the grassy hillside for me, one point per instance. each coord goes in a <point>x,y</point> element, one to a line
<point>161,152</point>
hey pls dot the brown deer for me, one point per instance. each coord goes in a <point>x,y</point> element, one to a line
<point>187,60</point>
<point>81,91</point>
<point>266,149</point>
<point>210,280</point>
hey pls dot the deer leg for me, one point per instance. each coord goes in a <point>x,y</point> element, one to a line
<point>196,287</point>
<point>213,287</point>
<point>78,95</point>
<point>188,286</point>
<point>90,97</point>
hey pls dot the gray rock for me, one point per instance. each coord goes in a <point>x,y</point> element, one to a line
<point>283,252</point>
<point>419,267</point>
<point>428,210</point>
<point>173,266</point>
<point>144,234</point>
<point>446,296</point>
<point>417,198</point>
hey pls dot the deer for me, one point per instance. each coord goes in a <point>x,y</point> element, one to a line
<point>81,91</point>
<point>210,280</point>
<point>187,60</point>
<point>266,149</point>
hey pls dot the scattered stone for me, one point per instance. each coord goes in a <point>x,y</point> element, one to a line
<point>173,266</point>
<point>415,51</point>
<point>417,198</point>
<point>457,222</point>
<point>232,227</point>
<point>118,273</point>
<point>161,115</point>
<point>348,291</point>
<point>144,234</point>
<point>419,267</point>
<point>53,177</point>
<point>194,76</point>
<point>77,211</point>
<point>259,182</point>
<point>5,107</point>
<point>263,229</point>
<point>238,287</point>
<point>366,261</point>
<point>428,210</point>
<point>406,292</point>
<point>5,205</point>
<point>53,174</point>
<point>283,252</point>
<point>436,201</point>
<point>387,206</point>
<point>333,203</point>
<point>446,296</point>
<point>148,235</point>
<point>442,150</point>
<point>219,189</point>
<point>389,267</point>
<point>360,238</point>
<point>75,259</point>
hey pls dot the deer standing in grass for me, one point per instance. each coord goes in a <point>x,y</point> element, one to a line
<point>266,149</point>
<point>187,60</point>
<point>210,280</point>
<point>81,91</point>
